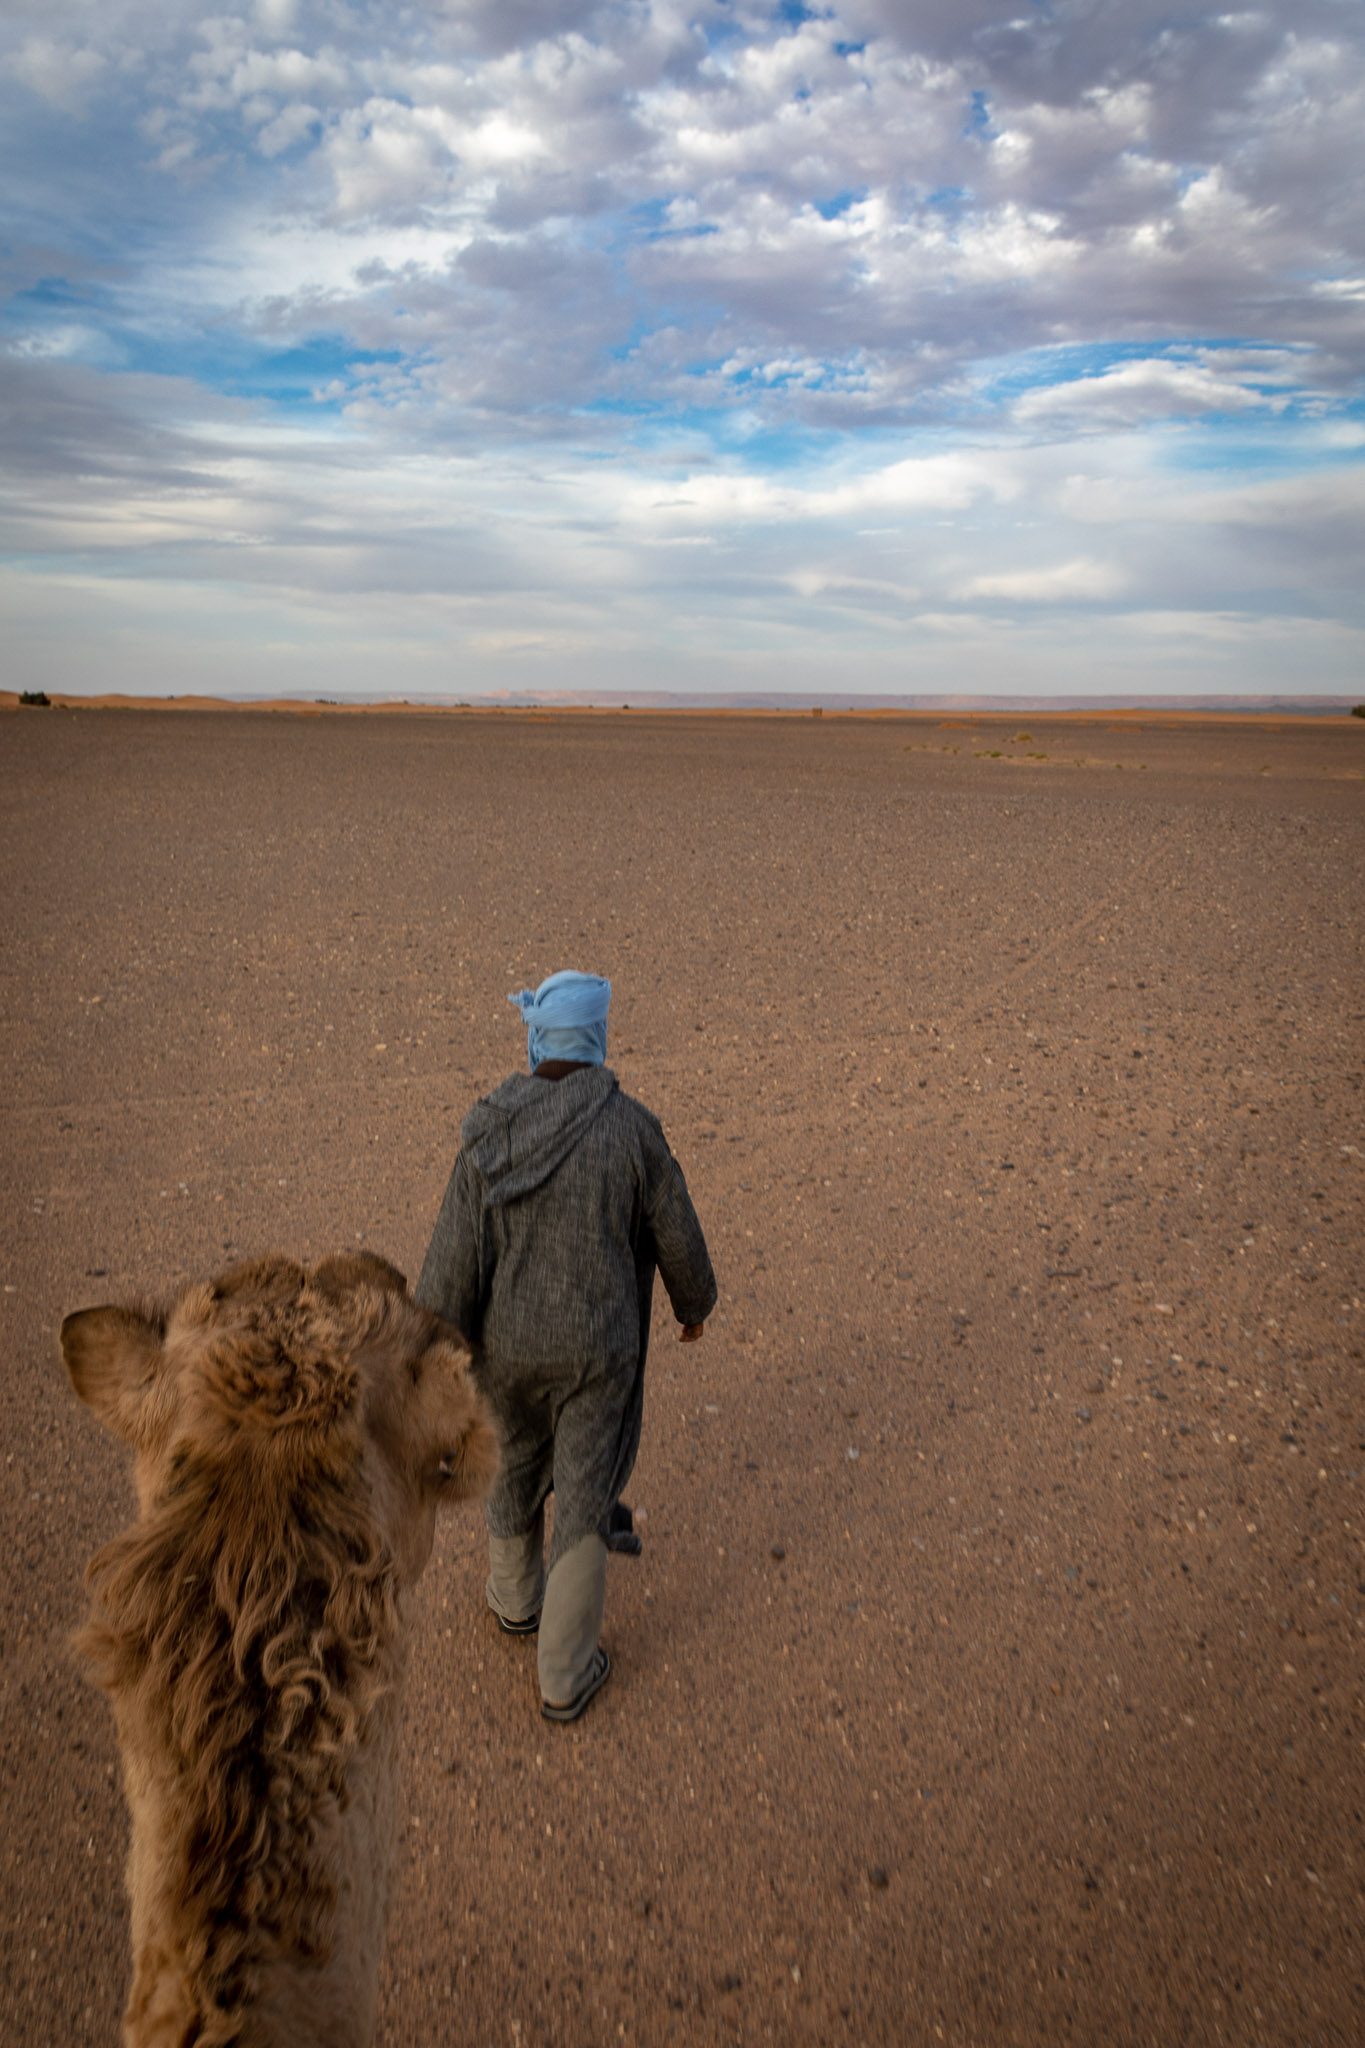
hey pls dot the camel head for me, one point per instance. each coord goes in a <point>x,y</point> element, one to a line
<point>282,1384</point>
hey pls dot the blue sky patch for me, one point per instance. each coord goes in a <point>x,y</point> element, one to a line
<point>830,209</point>
<point>239,367</point>
<point>979,118</point>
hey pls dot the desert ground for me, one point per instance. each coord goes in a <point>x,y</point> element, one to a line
<point>993,1671</point>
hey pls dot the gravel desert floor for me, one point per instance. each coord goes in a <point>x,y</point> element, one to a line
<point>993,1671</point>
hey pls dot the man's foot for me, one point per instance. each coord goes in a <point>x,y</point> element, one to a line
<point>621,1536</point>
<point>518,1628</point>
<point>601,1672</point>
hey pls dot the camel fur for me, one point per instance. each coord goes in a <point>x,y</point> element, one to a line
<point>295,1431</point>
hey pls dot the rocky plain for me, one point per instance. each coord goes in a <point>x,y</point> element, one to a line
<point>993,1670</point>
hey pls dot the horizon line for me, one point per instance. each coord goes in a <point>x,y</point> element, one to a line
<point>790,702</point>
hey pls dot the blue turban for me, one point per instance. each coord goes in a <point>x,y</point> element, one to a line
<point>566,1018</point>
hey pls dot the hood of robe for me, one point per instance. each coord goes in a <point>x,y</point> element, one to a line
<point>518,1135</point>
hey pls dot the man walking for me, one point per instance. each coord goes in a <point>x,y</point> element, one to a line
<point>563,1201</point>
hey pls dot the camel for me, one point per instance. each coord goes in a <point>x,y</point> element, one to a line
<point>295,1430</point>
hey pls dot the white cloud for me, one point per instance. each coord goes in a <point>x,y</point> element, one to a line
<point>287,128</point>
<point>276,17</point>
<point>1084,579</point>
<point>64,76</point>
<point>1131,393</point>
<point>1335,499</point>
<point>497,142</point>
<point>57,340</point>
<point>927,483</point>
<point>385,157</point>
<point>287,72</point>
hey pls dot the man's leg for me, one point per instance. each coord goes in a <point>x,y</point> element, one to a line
<point>516,1572</point>
<point>571,1620</point>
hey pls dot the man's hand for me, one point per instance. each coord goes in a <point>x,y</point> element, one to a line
<point>690,1332</point>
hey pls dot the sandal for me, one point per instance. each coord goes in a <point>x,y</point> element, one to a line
<point>601,1671</point>
<point>518,1628</point>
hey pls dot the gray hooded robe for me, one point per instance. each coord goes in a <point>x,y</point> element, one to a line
<point>563,1200</point>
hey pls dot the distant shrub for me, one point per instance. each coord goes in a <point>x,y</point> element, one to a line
<point>1358,711</point>
<point>34,697</point>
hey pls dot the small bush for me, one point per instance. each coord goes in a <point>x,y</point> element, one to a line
<point>1358,711</point>
<point>34,697</point>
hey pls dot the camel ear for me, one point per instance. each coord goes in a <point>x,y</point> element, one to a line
<point>111,1355</point>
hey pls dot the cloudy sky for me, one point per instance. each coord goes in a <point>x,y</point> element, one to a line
<point>454,346</point>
